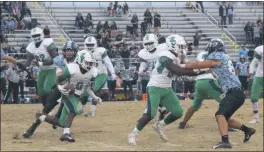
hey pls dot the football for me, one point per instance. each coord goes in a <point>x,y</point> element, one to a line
<point>70,86</point>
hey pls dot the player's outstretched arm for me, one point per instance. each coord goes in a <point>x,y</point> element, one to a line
<point>175,69</point>
<point>201,64</point>
<point>30,57</point>
<point>8,58</point>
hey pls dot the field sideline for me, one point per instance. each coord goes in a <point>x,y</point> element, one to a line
<point>114,120</point>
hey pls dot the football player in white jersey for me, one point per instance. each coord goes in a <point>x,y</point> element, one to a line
<point>159,88</point>
<point>79,77</point>
<point>257,86</point>
<point>69,53</point>
<point>148,56</point>
<point>44,51</point>
<point>206,85</point>
<point>104,65</point>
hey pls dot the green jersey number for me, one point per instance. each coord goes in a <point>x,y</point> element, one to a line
<point>162,64</point>
<point>79,85</point>
<point>40,58</point>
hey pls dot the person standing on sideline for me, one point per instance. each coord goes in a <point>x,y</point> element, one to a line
<point>12,75</point>
<point>222,13</point>
<point>230,12</point>
<point>21,84</point>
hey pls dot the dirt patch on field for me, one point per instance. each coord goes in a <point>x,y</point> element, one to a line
<point>114,120</point>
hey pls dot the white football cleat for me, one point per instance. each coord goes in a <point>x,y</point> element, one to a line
<point>132,139</point>
<point>255,120</point>
<point>159,129</point>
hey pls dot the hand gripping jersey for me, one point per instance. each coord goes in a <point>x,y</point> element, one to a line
<point>41,53</point>
<point>150,58</point>
<point>201,57</point>
<point>259,56</point>
<point>81,81</point>
<point>161,76</point>
<point>225,73</point>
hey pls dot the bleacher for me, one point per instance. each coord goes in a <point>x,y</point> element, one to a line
<point>242,14</point>
<point>180,20</point>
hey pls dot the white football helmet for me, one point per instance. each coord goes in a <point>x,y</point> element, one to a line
<point>37,34</point>
<point>177,44</point>
<point>90,43</point>
<point>86,61</point>
<point>150,42</point>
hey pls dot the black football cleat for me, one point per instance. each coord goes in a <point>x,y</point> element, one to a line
<point>181,125</point>
<point>222,145</point>
<point>248,134</point>
<point>67,137</point>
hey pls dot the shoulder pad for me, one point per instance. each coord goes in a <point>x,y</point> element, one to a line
<point>259,50</point>
<point>142,53</point>
<point>101,49</point>
<point>30,47</point>
<point>167,54</point>
<point>73,68</point>
<point>47,41</point>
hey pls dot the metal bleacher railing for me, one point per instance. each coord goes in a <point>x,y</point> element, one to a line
<point>225,34</point>
<point>46,14</point>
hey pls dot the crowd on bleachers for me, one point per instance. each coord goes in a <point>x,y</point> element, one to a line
<point>254,32</point>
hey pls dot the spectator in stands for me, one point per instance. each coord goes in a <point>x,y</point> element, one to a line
<point>230,12</point>
<point>157,23</point>
<point>248,30</point>
<point>89,21</point>
<point>259,20</point>
<point>26,16</point>
<point>7,6</point>
<point>201,4</point>
<point>134,22</point>
<point>110,9</point>
<point>261,30</point>
<point>113,26</point>
<point>196,39</point>
<point>243,51</point>
<point>12,76</point>
<point>79,21</point>
<point>143,28</point>
<point>99,26</point>
<point>148,18</point>
<point>105,40</point>
<point>119,11</point>
<point>115,7</point>
<point>107,28</point>
<point>46,32</point>
<point>11,25</point>
<point>223,13</point>
<point>23,48</point>
<point>125,9</point>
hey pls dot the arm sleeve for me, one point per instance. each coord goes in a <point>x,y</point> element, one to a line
<point>108,63</point>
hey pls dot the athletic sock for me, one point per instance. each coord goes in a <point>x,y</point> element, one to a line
<point>244,128</point>
<point>225,139</point>
<point>66,131</point>
<point>169,119</point>
<point>135,131</point>
<point>93,109</point>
